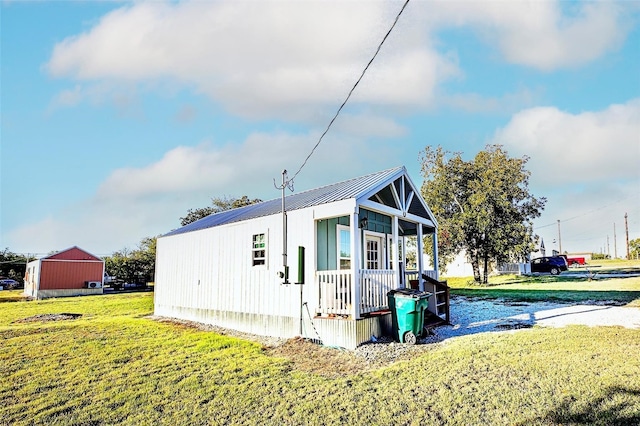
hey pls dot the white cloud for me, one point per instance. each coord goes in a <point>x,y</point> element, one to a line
<point>98,229</point>
<point>259,58</point>
<point>249,167</point>
<point>587,216</point>
<point>577,148</point>
<point>123,96</point>
<point>551,40</point>
<point>586,165</point>
<point>546,35</point>
<point>70,97</point>
<point>133,203</point>
<point>190,172</point>
<point>284,59</point>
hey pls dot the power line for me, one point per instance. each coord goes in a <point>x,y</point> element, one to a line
<point>581,215</point>
<point>350,92</point>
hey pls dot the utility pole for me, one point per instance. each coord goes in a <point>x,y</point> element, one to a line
<point>559,239</point>
<point>608,248</point>
<point>285,269</point>
<point>626,230</point>
<point>615,242</point>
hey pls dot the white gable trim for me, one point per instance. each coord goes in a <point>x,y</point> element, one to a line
<point>374,190</point>
<point>368,204</point>
<point>422,201</point>
<point>402,204</point>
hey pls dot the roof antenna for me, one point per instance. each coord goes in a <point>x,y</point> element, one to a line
<point>286,183</point>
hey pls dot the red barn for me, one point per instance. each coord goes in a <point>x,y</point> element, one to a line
<point>71,272</point>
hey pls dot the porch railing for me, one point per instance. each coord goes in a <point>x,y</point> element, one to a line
<point>413,275</point>
<point>410,276</point>
<point>335,292</point>
<point>375,284</point>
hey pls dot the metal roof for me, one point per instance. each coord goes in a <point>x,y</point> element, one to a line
<point>345,190</point>
<point>72,253</point>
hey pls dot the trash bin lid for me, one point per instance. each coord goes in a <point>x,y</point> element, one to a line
<point>409,292</point>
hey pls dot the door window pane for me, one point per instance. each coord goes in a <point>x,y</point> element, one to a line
<point>373,254</point>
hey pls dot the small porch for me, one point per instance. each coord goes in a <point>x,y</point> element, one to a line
<point>337,292</point>
<point>375,248</point>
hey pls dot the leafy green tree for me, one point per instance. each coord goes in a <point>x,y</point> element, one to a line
<point>134,266</point>
<point>13,265</point>
<point>634,248</point>
<point>483,206</point>
<point>196,214</point>
<point>219,204</point>
<point>146,259</point>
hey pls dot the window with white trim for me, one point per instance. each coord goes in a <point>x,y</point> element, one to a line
<point>259,250</point>
<point>343,237</point>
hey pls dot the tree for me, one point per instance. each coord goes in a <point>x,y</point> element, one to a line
<point>634,248</point>
<point>483,206</point>
<point>13,265</point>
<point>219,204</point>
<point>134,266</point>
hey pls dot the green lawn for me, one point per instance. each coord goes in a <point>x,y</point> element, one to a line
<point>114,365</point>
<point>561,288</point>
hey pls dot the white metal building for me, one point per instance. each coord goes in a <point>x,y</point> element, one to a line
<point>225,268</point>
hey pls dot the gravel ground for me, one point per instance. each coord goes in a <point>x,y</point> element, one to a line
<point>471,316</point>
<point>468,316</point>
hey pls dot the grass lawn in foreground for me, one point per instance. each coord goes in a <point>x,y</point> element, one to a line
<point>114,365</point>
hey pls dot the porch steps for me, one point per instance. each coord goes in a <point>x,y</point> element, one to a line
<point>432,320</point>
<point>441,291</point>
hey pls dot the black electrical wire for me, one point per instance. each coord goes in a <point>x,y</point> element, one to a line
<point>350,92</point>
<point>582,214</point>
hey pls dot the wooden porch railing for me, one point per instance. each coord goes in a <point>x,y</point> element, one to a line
<point>375,284</point>
<point>413,275</point>
<point>335,290</point>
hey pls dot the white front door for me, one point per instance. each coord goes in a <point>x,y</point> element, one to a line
<point>374,252</point>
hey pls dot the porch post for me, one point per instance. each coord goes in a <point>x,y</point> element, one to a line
<point>420,257</point>
<point>395,262</point>
<point>435,253</point>
<point>404,257</point>
<point>356,247</point>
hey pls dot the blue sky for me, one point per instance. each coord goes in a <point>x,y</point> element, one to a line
<point>117,117</point>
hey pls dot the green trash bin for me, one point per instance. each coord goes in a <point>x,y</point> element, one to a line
<point>407,312</point>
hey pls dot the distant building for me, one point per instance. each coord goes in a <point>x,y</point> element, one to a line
<point>70,272</point>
